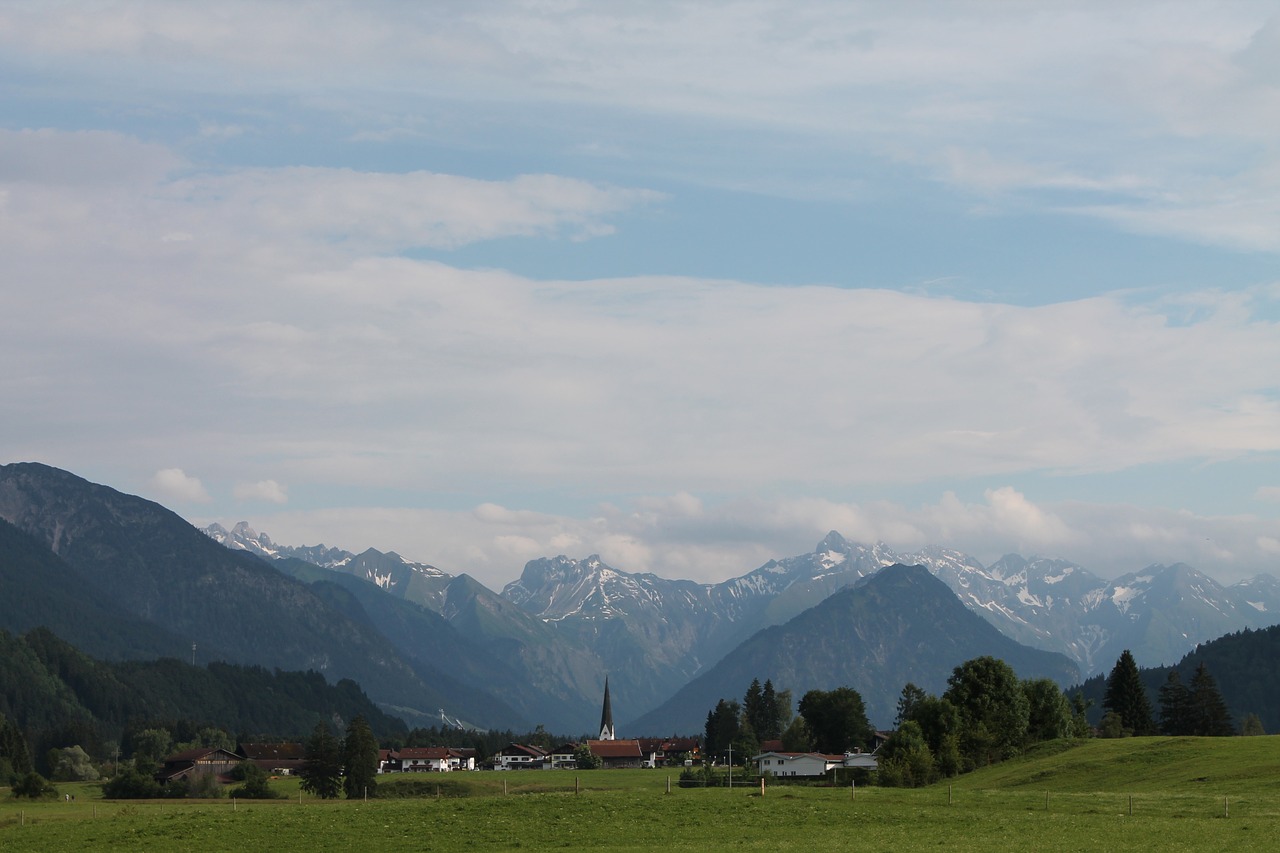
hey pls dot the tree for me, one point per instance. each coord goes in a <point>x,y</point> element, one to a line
<point>15,757</point>
<point>771,724</point>
<point>797,737</point>
<point>782,702</point>
<point>905,758</point>
<point>255,785</point>
<point>1112,726</point>
<point>150,746</point>
<point>1049,712</point>
<point>1206,709</point>
<point>837,719</point>
<point>993,709</point>
<point>72,764</point>
<point>322,766</point>
<point>1080,715</point>
<point>910,697</point>
<point>1252,726</point>
<point>1127,696</point>
<point>585,759</point>
<point>33,786</point>
<point>1175,706</point>
<point>359,759</point>
<point>722,728</point>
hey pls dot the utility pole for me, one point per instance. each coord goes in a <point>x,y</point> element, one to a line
<point>193,654</point>
<point>731,766</point>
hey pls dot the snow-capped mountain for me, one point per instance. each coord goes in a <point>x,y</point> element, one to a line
<point>417,582</point>
<point>1159,613</point>
<point>585,617</point>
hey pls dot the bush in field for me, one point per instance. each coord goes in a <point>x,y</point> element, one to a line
<point>34,786</point>
<point>130,784</point>
<point>255,783</point>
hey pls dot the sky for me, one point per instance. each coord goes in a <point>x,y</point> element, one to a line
<point>685,285</point>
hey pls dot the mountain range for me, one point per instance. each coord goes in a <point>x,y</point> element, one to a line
<point>421,640</point>
<point>662,633</point>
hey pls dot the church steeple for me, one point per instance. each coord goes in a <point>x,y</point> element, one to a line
<point>606,715</point>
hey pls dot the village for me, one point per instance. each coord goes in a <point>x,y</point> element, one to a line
<point>605,752</point>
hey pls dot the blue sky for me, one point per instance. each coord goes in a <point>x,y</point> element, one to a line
<point>682,284</point>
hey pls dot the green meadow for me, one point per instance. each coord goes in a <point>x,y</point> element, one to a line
<point>1134,794</point>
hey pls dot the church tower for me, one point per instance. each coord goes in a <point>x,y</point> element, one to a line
<point>606,715</point>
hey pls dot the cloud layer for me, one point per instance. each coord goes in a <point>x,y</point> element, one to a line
<point>273,244</point>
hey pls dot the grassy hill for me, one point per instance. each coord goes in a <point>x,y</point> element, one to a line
<point>1224,766</point>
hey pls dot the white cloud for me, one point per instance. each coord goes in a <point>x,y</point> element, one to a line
<point>263,490</point>
<point>1164,120</point>
<point>1268,493</point>
<point>174,484</point>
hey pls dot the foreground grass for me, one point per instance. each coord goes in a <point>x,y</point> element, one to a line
<point>1042,802</point>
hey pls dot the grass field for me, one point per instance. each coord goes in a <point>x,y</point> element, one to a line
<point>1184,793</point>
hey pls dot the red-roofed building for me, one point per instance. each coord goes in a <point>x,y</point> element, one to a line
<point>618,753</point>
<point>430,759</point>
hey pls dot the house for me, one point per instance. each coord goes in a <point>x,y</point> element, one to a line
<point>277,759</point>
<point>618,753</point>
<point>519,756</point>
<point>198,762</point>
<point>429,759</point>
<point>811,764</point>
<point>386,761</point>
<point>422,759</point>
<point>562,757</point>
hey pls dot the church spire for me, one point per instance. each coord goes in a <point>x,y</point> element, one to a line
<point>606,715</point>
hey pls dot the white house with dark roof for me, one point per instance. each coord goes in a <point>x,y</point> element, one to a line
<point>811,764</point>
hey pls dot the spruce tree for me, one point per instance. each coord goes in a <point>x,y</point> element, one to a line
<point>1174,706</point>
<point>770,727</point>
<point>322,768</point>
<point>1207,710</point>
<point>1127,696</point>
<point>359,759</point>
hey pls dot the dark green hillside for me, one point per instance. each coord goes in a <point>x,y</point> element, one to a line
<point>146,561</point>
<point>62,697</point>
<point>1246,666</point>
<point>38,588</point>
<point>899,625</point>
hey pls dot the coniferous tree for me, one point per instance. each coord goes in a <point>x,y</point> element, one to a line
<point>1206,709</point>
<point>1252,726</point>
<point>15,757</point>
<point>770,727</point>
<point>753,710</point>
<point>322,769</point>
<point>1127,696</point>
<point>722,728</point>
<point>359,760</point>
<point>1175,706</point>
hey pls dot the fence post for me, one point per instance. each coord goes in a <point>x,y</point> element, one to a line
<point>1131,805</point>
<point>948,795</point>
